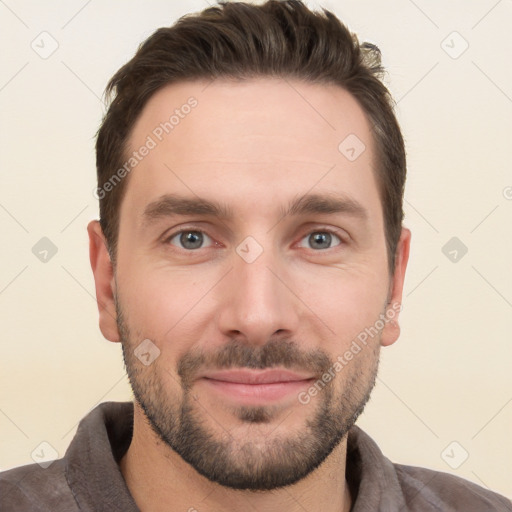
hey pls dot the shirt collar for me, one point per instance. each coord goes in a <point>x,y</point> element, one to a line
<point>372,478</point>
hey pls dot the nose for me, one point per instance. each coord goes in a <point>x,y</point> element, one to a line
<point>257,301</point>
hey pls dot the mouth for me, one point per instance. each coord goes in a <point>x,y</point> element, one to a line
<point>256,386</point>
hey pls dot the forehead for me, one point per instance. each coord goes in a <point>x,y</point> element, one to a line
<point>284,109</point>
<point>269,136</point>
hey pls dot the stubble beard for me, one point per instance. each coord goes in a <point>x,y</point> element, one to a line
<point>263,462</point>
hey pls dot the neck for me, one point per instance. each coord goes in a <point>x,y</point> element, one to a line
<point>159,479</point>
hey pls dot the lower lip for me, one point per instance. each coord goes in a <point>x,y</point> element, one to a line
<point>257,392</point>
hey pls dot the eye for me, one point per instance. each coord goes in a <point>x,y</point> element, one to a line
<point>193,239</point>
<point>189,239</point>
<point>321,239</point>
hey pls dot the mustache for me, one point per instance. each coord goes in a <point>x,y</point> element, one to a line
<point>237,354</point>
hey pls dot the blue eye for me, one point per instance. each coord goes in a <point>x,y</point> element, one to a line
<point>189,239</point>
<point>321,239</point>
<point>193,239</point>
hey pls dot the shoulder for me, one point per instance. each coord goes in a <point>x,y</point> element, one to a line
<point>34,488</point>
<point>379,482</point>
<point>435,490</point>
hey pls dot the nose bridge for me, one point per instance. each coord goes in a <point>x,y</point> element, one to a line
<point>257,282</point>
<point>256,303</point>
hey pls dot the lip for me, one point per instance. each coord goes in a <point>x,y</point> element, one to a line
<point>247,376</point>
<point>256,386</point>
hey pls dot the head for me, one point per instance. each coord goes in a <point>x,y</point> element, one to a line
<point>250,176</point>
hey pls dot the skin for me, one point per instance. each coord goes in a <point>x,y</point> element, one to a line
<point>255,146</point>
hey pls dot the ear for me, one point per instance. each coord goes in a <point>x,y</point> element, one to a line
<point>391,330</point>
<point>104,281</point>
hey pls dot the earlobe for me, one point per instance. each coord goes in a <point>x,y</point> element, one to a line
<point>391,330</point>
<point>104,281</point>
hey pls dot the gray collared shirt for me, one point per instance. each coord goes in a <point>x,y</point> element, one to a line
<point>88,477</point>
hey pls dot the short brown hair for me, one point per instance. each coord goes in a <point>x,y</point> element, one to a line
<point>241,40</point>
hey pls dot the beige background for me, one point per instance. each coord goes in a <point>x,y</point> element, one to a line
<point>449,376</point>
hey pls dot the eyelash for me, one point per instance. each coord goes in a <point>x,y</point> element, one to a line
<point>168,239</point>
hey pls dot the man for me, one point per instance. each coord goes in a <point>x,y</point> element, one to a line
<point>250,257</point>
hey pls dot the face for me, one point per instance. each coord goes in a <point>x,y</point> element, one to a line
<point>252,261</point>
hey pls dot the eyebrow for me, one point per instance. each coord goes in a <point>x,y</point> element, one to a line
<point>326,203</point>
<point>172,205</point>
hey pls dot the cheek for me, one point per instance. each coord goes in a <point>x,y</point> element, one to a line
<point>161,303</point>
<point>344,301</point>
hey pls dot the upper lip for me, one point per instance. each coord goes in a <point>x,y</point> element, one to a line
<point>248,376</point>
